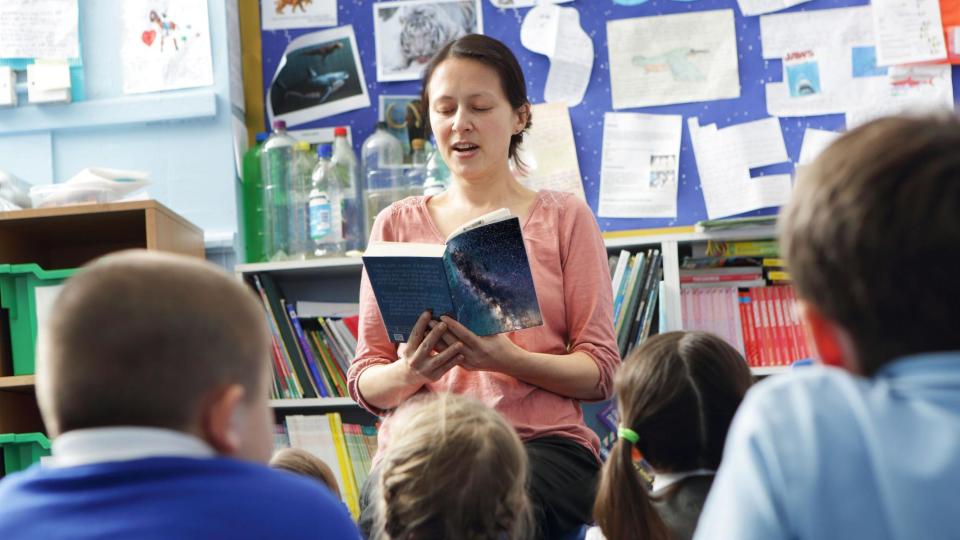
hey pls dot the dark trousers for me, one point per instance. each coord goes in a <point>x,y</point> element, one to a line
<point>563,483</point>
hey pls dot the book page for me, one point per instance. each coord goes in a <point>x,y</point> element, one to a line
<point>491,217</point>
<point>490,279</point>
<point>669,59</point>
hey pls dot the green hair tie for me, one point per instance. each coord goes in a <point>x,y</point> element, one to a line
<point>628,434</point>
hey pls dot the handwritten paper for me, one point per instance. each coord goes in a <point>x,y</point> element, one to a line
<point>165,49</point>
<point>670,59</point>
<point>724,161</point>
<point>909,90</point>
<point>287,14</point>
<point>908,31</point>
<point>555,32</point>
<point>550,153</point>
<point>39,29</point>
<point>638,175</point>
<point>750,8</point>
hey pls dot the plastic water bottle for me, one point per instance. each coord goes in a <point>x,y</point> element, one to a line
<point>345,163</point>
<point>416,174</point>
<point>298,230</point>
<point>277,171</point>
<point>253,202</point>
<point>326,204</point>
<point>382,159</point>
<point>437,174</point>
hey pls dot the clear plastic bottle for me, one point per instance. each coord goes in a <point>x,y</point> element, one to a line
<point>277,171</point>
<point>345,163</point>
<point>416,174</point>
<point>382,160</point>
<point>326,206</point>
<point>253,203</point>
<point>299,225</point>
<point>437,174</point>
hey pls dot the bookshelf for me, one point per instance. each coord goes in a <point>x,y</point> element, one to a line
<point>68,237</point>
<point>338,280</point>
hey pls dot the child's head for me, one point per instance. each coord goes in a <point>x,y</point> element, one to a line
<point>158,340</point>
<point>872,239</point>
<point>302,462</point>
<point>678,391</point>
<point>454,469</point>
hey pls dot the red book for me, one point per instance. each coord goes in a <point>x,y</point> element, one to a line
<point>717,278</point>
<point>353,323</point>
<point>746,322</point>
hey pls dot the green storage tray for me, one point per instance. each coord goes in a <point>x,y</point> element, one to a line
<point>18,294</point>
<point>20,451</point>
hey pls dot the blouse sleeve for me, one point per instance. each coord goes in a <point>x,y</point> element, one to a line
<point>588,294</point>
<point>373,345</point>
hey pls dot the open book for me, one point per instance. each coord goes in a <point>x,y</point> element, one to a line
<point>480,277</point>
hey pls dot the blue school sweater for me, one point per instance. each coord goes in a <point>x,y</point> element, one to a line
<point>168,497</point>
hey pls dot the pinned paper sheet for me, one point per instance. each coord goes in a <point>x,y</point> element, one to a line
<point>671,59</point>
<point>524,3</point>
<point>555,32</point>
<point>908,31</point>
<point>638,176</point>
<point>814,142</point>
<point>828,59</point>
<point>750,8</point>
<point>287,14</point>
<point>724,159</point>
<point>550,153</point>
<point>39,29</point>
<point>909,90</point>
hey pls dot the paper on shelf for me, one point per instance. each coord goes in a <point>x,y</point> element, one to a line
<point>668,59</point>
<point>723,162</point>
<point>556,33</point>
<point>39,29</point>
<point>908,31</point>
<point>550,153</point>
<point>638,175</point>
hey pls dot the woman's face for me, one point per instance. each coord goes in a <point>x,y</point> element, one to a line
<point>471,118</point>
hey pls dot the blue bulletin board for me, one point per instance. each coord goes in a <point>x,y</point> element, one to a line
<point>587,118</point>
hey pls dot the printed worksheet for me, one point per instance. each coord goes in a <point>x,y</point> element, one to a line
<point>550,153</point>
<point>724,159</point>
<point>670,59</point>
<point>638,174</point>
<point>908,31</point>
<point>556,33</point>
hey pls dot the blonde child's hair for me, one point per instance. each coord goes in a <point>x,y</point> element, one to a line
<point>302,462</point>
<point>454,469</point>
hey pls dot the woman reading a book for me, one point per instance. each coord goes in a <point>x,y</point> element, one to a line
<point>474,95</point>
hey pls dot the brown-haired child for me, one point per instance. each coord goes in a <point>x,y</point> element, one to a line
<point>300,461</point>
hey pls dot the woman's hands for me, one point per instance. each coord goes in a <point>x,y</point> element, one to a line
<point>422,365</point>
<point>488,353</point>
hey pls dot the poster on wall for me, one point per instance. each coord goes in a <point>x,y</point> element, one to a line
<point>287,14</point>
<point>669,59</point>
<point>165,45</point>
<point>318,76</point>
<point>408,33</point>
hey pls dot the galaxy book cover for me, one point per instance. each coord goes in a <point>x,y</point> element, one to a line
<point>481,277</point>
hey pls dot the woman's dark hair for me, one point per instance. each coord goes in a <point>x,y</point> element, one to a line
<point>678,391</point>
<point>495,55</point>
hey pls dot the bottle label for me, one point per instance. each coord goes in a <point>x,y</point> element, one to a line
<point>320,219</point>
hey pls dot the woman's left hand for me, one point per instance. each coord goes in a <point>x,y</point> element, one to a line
<point>487,353</point>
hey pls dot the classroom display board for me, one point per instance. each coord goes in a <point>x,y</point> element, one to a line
<point>754,72</point>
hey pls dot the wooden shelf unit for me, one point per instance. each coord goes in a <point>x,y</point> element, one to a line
<point>68,237</point>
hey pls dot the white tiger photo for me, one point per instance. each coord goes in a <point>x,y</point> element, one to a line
<point>408,33</point>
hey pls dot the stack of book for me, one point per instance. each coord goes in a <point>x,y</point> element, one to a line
<point>636,286</point>
<point>311,355</point>
<point>347,448</point>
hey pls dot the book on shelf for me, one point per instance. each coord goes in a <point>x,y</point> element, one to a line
<point>635,284</point>
<point>726,224</point>
<point>760,322</point>
<point>480,276</point>
<point>743,248</point>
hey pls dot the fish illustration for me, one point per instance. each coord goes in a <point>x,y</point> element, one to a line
<point>678,60</point>
<point>319,86</point>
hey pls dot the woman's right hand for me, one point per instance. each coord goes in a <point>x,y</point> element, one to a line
<point>422,363</point>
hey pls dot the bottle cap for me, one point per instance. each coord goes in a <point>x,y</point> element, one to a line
<point>260,137</point>
<point>279,124</point>
<point>303,146</point>
<point>325,150</point>
<point>381,125</point>
<point>340,131</point>
<point>417,144</point>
